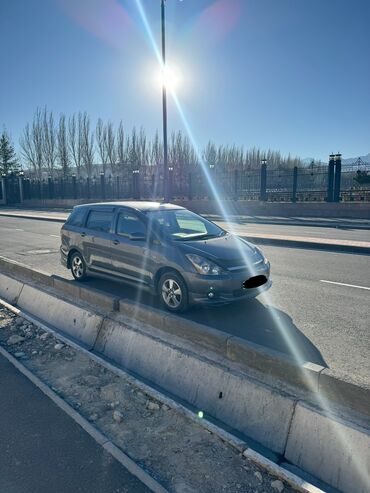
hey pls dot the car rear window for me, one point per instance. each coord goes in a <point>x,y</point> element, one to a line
<point>100,221</point>
<point>77,217</point>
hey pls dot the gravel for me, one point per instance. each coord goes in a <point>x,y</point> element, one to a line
<point>179,452</point>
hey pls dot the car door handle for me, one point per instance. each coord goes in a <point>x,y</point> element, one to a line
<point>115,242</point>
<point>83,235</point>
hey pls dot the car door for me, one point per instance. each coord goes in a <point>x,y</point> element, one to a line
<point>96,239</point>
<point>129,247</point>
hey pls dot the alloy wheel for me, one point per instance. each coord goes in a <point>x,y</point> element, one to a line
<point>77,267</point>
<point>171,293</point>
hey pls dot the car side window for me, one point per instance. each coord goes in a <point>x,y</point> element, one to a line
<point>100,221</point>
<point>128,224</point>
<point>77,217</point>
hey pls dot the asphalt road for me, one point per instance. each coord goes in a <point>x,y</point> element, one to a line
<point>301,315</point>
<point>43,450</point>
<point>346,231</point>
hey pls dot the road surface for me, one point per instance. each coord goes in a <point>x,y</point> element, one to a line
<point>318,308</point>
<point>43,450</point>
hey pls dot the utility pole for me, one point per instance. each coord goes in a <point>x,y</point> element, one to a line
<point>167,197</point>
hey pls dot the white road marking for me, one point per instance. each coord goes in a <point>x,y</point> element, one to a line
<point>55,236</point>
<point>17,229</point>
<point>344,284</point>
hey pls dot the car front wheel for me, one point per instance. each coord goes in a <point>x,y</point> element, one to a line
<point>78,267</point>
<point>173,292</point>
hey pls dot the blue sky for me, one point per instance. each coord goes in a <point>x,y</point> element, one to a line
<point>292,75</point>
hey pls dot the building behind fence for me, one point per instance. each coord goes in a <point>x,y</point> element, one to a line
<point>331,183</point>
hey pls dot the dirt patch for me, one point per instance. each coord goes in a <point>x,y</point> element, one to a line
<point>177,451</point>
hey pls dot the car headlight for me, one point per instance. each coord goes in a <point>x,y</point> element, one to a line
<point>204,266</point>
<point>259,251</point>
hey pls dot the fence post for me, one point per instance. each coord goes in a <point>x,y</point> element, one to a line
<point>263,192</point>
<point>135,183</point>
<point>50,187</point>
<point>337,176</point>
<point>74,186</point>
<point>21,189</point>
<point>117,184</point>
<point>170,183</point>
<point>190,186</point>
<point>3,189</point>
<point>295,182</point>
<point>62,190</point>
<point>102,185</point>
<point>236,184</point>
<point>330,194</point>
<point>88,194</point>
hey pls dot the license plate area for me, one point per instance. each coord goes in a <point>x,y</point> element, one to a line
<point>254,282</point>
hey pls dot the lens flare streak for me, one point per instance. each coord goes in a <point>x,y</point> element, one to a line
<point>295,350</point>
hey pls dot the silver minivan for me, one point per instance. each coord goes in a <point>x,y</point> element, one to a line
<point>178,255</point>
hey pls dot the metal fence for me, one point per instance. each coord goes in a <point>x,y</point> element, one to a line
<point>314,183</point>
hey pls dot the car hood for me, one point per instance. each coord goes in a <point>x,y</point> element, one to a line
<point>227,251</point>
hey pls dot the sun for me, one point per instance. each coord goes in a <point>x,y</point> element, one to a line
<point>169,77</point>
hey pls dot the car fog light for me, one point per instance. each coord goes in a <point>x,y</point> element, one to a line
<point>211,295</point>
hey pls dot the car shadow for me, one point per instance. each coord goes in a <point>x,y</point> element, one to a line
<point>252,320</point>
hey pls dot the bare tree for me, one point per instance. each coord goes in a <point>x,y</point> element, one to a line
<point>101,140</point>
<point>121,147</point>
<point>49,140</point>
<point>75,140</point>
<point>87,147</point>
<point>156,151</point>
<point>63,150</point>
<point>142,148</point>
<point>111,145</point>
<point>133,153</point>
<point>31,143</point>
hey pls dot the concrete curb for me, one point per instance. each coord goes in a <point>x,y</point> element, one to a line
<point>258,400</point>
<point>314,437</point>
<point>273,418</point>
<point>317,245</point>
<point>324,383</point>
<point>55,219</point>
<point>99,438</point>
<point>260,239</point>
<point>236,443</point>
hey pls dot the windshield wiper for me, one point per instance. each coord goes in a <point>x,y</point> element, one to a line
<point>204,236</point>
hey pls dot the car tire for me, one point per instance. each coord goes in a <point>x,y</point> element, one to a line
<point>78,267</point>
<point>173,292</point>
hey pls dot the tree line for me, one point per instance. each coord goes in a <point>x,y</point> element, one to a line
<point>63,145</point>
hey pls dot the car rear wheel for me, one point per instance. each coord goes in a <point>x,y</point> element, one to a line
<point>173,292</point>
<point>78,267</point>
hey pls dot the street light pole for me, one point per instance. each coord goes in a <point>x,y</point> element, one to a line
<point>167,197</point>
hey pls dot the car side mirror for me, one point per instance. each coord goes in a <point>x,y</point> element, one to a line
<point>137,236</point>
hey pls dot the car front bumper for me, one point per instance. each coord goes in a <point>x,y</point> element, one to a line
<point>226,288</point>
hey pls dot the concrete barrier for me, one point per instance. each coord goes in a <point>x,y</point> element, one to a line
<point>274,363</point>
<point>192,331</point>
<point>253,408</point>
<point>94,297</point>
<point>17,269</point>
<point>10,288</point>
<point>77,322</point>
<point>357,210</point>
<point>334,450</point>
<point>343,390</point>
<point>327,384</point>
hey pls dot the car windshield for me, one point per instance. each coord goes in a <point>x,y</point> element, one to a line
<point>183,225</point>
